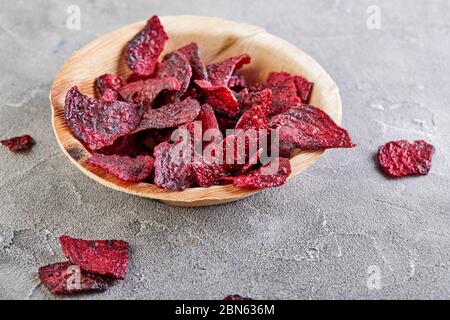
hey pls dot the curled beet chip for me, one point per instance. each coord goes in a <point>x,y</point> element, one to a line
<point>192,52</point>
<point>219,74</point>
<point>108,86</point>
<point>401,158</point>
<point>237,81</point>
<point>275,174</point>
<point>254,118</point>
<point>145,92</point>
<point>18,144</point>
<point>220,98</point>
<point>304,88</point>
<point>145,48</point>
<point>247,99</point>
<point>125,168</point>
<point>208,118</point>
<point>309,128</point>
<point>284,92</point>
<point>66,279</point>
<point>173,166</point>
<point>208,174</point>
<point>170,116</point>
<point>99,123</point>
<point>103,257</point>
<point>176,65</point>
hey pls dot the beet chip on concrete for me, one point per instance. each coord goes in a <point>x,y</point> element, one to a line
<point>259,179</point>
<point>108,86</point>
<point>103,257</point>
<point>401,158</point>
<point>125,168</point>
<point>145,48</point>
<point>192,52</point>
<point>18,144</point>
<point>219,74</point>
<point>308,128</point>
<point>61,279</point>
<point>176,65</point>
<point>98,123</point>
<point>145,92</point>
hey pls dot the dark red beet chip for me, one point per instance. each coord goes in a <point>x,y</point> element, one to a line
<point>61,279</point>
<point>309,128</point>
<point>18,144</point>
<point>237,81</point>
<point>192,52</point>
<point>237,297</point>
<point>173,167</point>
<point>145,48</point>
<point>98,123</point>
<point>304,88</point>
<point>125,168</point>
<point>255,118</point>
<point>219,74</point>
<point>208,174</point>
<point>220,98</point>
<point>145,92</point>
<point>284,92</point>
<point>263,178</point>
<point>108,86</point>
<point>247,99</point>
<point>176,65</point>
<point>103,257</point>
<point>170,116</point>
<point>401,158</point>
<point>131,146</point>
<point>208,118</point>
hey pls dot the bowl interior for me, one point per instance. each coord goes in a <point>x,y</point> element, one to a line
<point>218,39</point>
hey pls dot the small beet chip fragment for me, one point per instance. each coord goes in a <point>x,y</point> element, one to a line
<point>220,98</point>
<point>192,52</point>
<point>176,65</point>
<point>108,86</point>
<point>400,158</point>
<point>18,144</point>
<point>61,279</point>
<point>273,175</point>
<point>125,168</point>
<point>98,123</point>
<point>144,49</point>
<point>102,257</point>
<point>219,74</point>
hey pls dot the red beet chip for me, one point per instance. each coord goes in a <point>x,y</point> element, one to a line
<point>103,257</point>
<point>56,277</point>
<point>237,81</point>
<point>220,98</point>
<point>401,158</point>
<point>145,92</point>
<point>304,88</point>
<point>208,174</point>
<point>284,92</point>
<point>125,168</point>
<point>173,168</point>
<point>237,297</point>
<point>208,118</point>
<point>254,118</point>
<point>247,99</point>
<point>98,123</point>
<point>131,146</point>
<point>18,144</point>
<point>108,86</point>
<point>145,48</point>
<point>176,65</point>
<point>219,74</point>
<point>261,179</point>
<point>192,52</point>
<point>309,128</point>
<point>170,116</point>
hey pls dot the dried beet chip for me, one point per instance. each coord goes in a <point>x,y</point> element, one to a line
<point>208,118</point>
<point>125,168</point>
<point>220,98</point>
<point>260,179</point>
<point>247,99</point>
<point>254,118</point>
<point>131,146</point>
<point>207,175</point>
<point>237,81</point>
<point>145,48</point>
<point>103,257</point>
<point>108,86</point>
<point>219,74</point>
<point>176,65</point>
<point>145,92</point>
<point>56,276</point>
<point>98,123</point>
<point>192,52</point>
<point>309,128</point>
<point>304,88</point>
<point>18,144</point>
<point>237,297</point>
<point>170,116</point>
<point>284,92</point>
<point>173,167</point>
<point>400,158</point>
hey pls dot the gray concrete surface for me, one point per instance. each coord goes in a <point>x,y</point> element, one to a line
<point>318,237</point>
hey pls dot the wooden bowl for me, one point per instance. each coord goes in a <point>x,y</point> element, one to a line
<point>218,39</point>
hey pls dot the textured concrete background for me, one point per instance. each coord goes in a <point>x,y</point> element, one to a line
<point>315,238</point>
